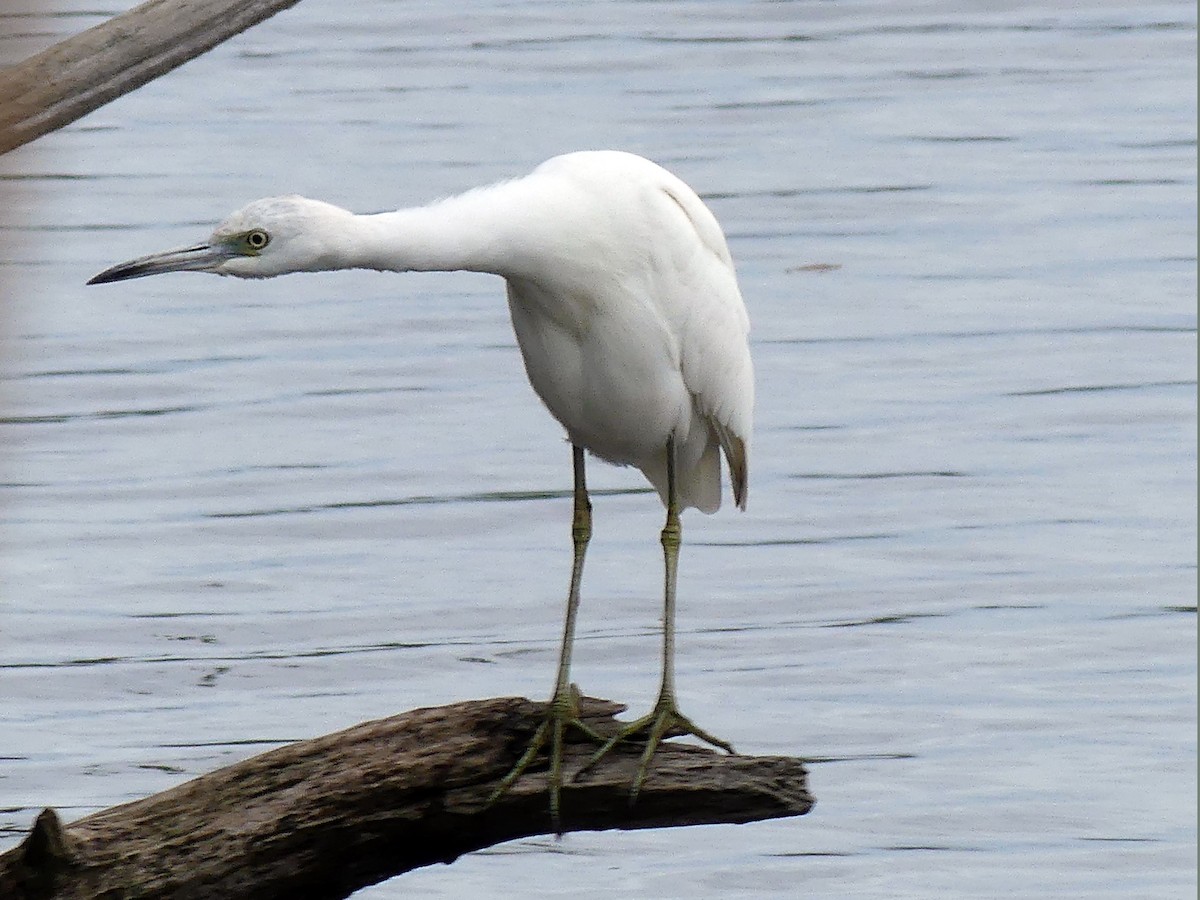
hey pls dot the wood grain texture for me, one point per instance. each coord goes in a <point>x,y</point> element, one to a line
<point>74,77</point>
<point>324,817</point>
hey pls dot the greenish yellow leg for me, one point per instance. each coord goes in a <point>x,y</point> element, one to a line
<point>665,715</point>
<point>563,709</point>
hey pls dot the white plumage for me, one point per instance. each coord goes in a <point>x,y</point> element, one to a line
<point>626,309</point>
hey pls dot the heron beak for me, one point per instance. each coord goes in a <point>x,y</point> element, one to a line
<point>201,258</point>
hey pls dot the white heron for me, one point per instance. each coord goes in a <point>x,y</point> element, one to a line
<point>628,315</point>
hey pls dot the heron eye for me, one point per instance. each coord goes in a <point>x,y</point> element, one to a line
<point>257,239</point>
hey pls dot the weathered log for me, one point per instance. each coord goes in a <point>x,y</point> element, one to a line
<point>322,818</point>
<point>83,72</point>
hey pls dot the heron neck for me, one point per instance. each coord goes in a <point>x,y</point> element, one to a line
<point>468,232</point>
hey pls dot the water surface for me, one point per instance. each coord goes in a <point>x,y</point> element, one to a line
<point>237,514</point>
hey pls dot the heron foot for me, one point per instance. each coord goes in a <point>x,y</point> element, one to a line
<point>665,719</point>
<point>562,713</point>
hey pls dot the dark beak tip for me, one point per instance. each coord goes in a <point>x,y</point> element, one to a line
<point>115,273</point>
<point>201,258</point>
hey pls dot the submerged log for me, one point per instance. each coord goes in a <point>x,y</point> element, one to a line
<point>83,72</point>
<point>322,818</point>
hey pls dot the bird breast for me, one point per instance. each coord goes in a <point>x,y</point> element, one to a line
<point>607,369</point>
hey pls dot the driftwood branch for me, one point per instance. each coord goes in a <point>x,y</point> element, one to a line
<point>324,817</point>
<point>82,73</point>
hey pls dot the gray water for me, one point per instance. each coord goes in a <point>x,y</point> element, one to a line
<point>238,514</point>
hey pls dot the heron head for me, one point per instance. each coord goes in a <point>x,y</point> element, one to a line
<point>268,237</point>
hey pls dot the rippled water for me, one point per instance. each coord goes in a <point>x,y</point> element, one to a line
<point>236,514</point>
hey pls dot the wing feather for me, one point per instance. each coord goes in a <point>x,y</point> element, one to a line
<point>714,336</point>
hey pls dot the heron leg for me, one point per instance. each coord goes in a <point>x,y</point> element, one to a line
<point>665,717</point>
<point>562,712</point>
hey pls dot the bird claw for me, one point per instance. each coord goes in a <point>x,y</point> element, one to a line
<point>665,720</point>
<point>562,713</point>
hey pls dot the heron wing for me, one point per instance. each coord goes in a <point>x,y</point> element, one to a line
<point>714,334</point>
